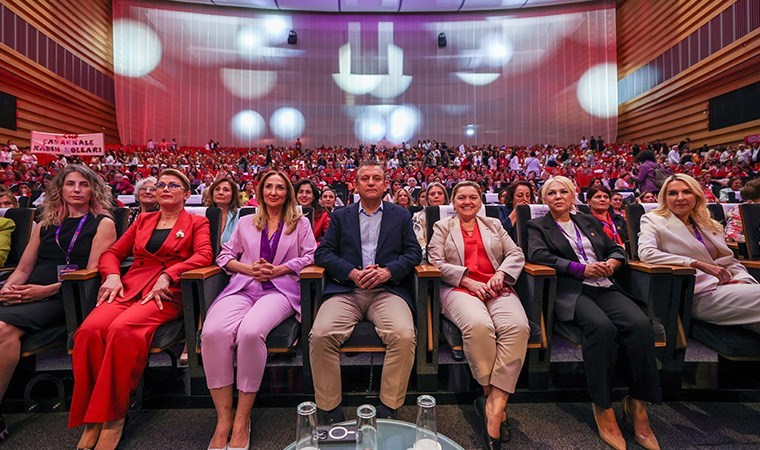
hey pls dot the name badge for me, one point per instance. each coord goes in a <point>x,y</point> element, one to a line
<point>65,268</point>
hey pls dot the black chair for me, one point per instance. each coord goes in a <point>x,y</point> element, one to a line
<point>80,289</point>
<point>120,218</point>
<point>643,281</point>
<point>200,287</point>
<point>536,289</point>
<point>718,212</point>
<point>426,280</point>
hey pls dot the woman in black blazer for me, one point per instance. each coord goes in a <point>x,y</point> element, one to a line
<point>585,259</point>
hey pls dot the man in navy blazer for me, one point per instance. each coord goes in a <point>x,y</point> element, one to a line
<point>369,252</point>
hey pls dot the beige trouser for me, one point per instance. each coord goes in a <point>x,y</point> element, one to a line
<point>730,304</point>
<point>495,336</point>
<point>334,324</point>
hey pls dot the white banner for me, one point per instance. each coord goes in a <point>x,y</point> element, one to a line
<point>67,144</point>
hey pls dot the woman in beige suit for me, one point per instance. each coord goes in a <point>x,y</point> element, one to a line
<point>680,231</point>
<point>479,262</point>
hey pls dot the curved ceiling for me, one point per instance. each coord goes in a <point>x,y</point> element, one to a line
<point>385,6</point>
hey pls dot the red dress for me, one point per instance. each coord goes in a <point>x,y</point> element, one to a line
<point>111,346</point>
<point>476,259</point>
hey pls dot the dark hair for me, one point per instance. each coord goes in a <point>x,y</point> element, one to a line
<point>646,155</point>
<point>235,202</point>
<point>592,190</point>
<point>314,190</point>
<point>367,163</point>
<point>511,192</point>
<point>751,190</point>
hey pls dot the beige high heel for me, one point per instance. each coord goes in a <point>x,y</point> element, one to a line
<point>649,441</point>
<point>616,442</point>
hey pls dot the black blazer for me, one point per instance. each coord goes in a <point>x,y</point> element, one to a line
<point>340,250</point>
<point>548,246</point>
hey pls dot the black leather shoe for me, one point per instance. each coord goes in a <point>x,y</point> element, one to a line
<point>330,417</point>
<point>384,412</point>
<point>505,431</point>
<point>489,443</point>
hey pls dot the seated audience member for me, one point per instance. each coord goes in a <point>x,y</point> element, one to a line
<point>402,198</point>
<point>435,195</point>
<point>146,199</point>
<point>734,228</point>
<point>478,263</point>
<point>328,199</point>
<point>369,253</point>
<point>7,199</point>
<point>75,229</point>
<point>517,193</point>
<point>585,258</point>
<point>248,192</point>
<point>111,346</point>
<point>731,193</point>
<point>647,197</point>
<point>223,194</point>
<point>680,231</point>
<point>307,195</point>
<point>598,199</point>
<point>121,185</point>
<point>264,255</point>
<point>422,198</point>
<point>616,201</point>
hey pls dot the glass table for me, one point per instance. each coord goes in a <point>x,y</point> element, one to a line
<point>392,435</point>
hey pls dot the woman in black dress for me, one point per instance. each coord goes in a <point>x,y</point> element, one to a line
<point>75,229</point>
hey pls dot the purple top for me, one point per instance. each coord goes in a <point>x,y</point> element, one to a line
<point>269,248</point>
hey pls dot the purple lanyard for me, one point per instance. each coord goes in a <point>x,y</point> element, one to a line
<point>578,240</point>
<point>73,238</point>
<point>611,225</point>
<point>698,235</point>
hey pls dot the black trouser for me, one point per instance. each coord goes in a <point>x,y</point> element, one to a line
<point>610,319</point>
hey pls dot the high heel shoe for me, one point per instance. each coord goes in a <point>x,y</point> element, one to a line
<point>648,441</point>
<point>247,444</point>
<point>489,443</point>
<point>616,442</point>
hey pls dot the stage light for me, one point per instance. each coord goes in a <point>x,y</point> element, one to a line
<point>248,125</point>
<point>137,48</point>
<point>287,123</point>
<point>442,40</point>
<point>292,37</point>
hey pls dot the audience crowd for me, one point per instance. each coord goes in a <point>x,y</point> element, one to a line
<point>368,239</point>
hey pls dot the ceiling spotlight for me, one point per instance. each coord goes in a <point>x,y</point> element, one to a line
<point>441,40</point>
<point>292,37</point>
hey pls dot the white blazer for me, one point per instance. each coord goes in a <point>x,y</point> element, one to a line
<point>666,240</point>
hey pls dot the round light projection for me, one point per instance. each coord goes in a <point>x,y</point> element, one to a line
<point>248,125</point>
<point>370,127</point>
<point>287,123</point>
<point>597,91</point>
<point>249,40</point>
<point>136,50</point>
<point>497,50</point>
<point>403,123</point>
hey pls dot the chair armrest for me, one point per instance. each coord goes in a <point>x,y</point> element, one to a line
<point>201,273</point>
<point>427,271</point>
<point>639,266</point>
<point>80,275</point>
<point>539,270</point>
<point>750,264</point>
<point>312,272</point>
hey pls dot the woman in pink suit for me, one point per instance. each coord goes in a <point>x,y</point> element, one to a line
<point>264,255</point>
<point>111,346</point>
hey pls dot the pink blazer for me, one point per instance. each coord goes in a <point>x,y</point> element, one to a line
<point>295,250</point>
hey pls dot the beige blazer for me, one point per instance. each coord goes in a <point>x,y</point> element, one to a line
<point>446,251</point>
<point>666,240</point>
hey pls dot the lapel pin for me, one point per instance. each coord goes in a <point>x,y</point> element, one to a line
<point>180,234</point>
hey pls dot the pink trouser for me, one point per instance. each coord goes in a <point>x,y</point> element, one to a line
<point>241,322</point>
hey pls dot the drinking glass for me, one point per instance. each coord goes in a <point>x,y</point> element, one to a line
<point>366,428</point>
<point>306,427</point>
<point>427,437</point>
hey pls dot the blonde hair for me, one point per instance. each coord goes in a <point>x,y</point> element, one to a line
<point>466,183</point>
<point>54,209</point>
<point>290,214</point>
<point>699,214</point>
<point>564,181</point>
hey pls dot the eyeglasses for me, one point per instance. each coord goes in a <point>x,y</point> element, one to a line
<point>172,186</point>
<point>150,189</point>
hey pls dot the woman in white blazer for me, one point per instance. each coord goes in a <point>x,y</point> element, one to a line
<point>680,231</point>
<point>478,263</point>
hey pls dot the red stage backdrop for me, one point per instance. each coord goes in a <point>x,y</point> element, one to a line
<point>196,73</point>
